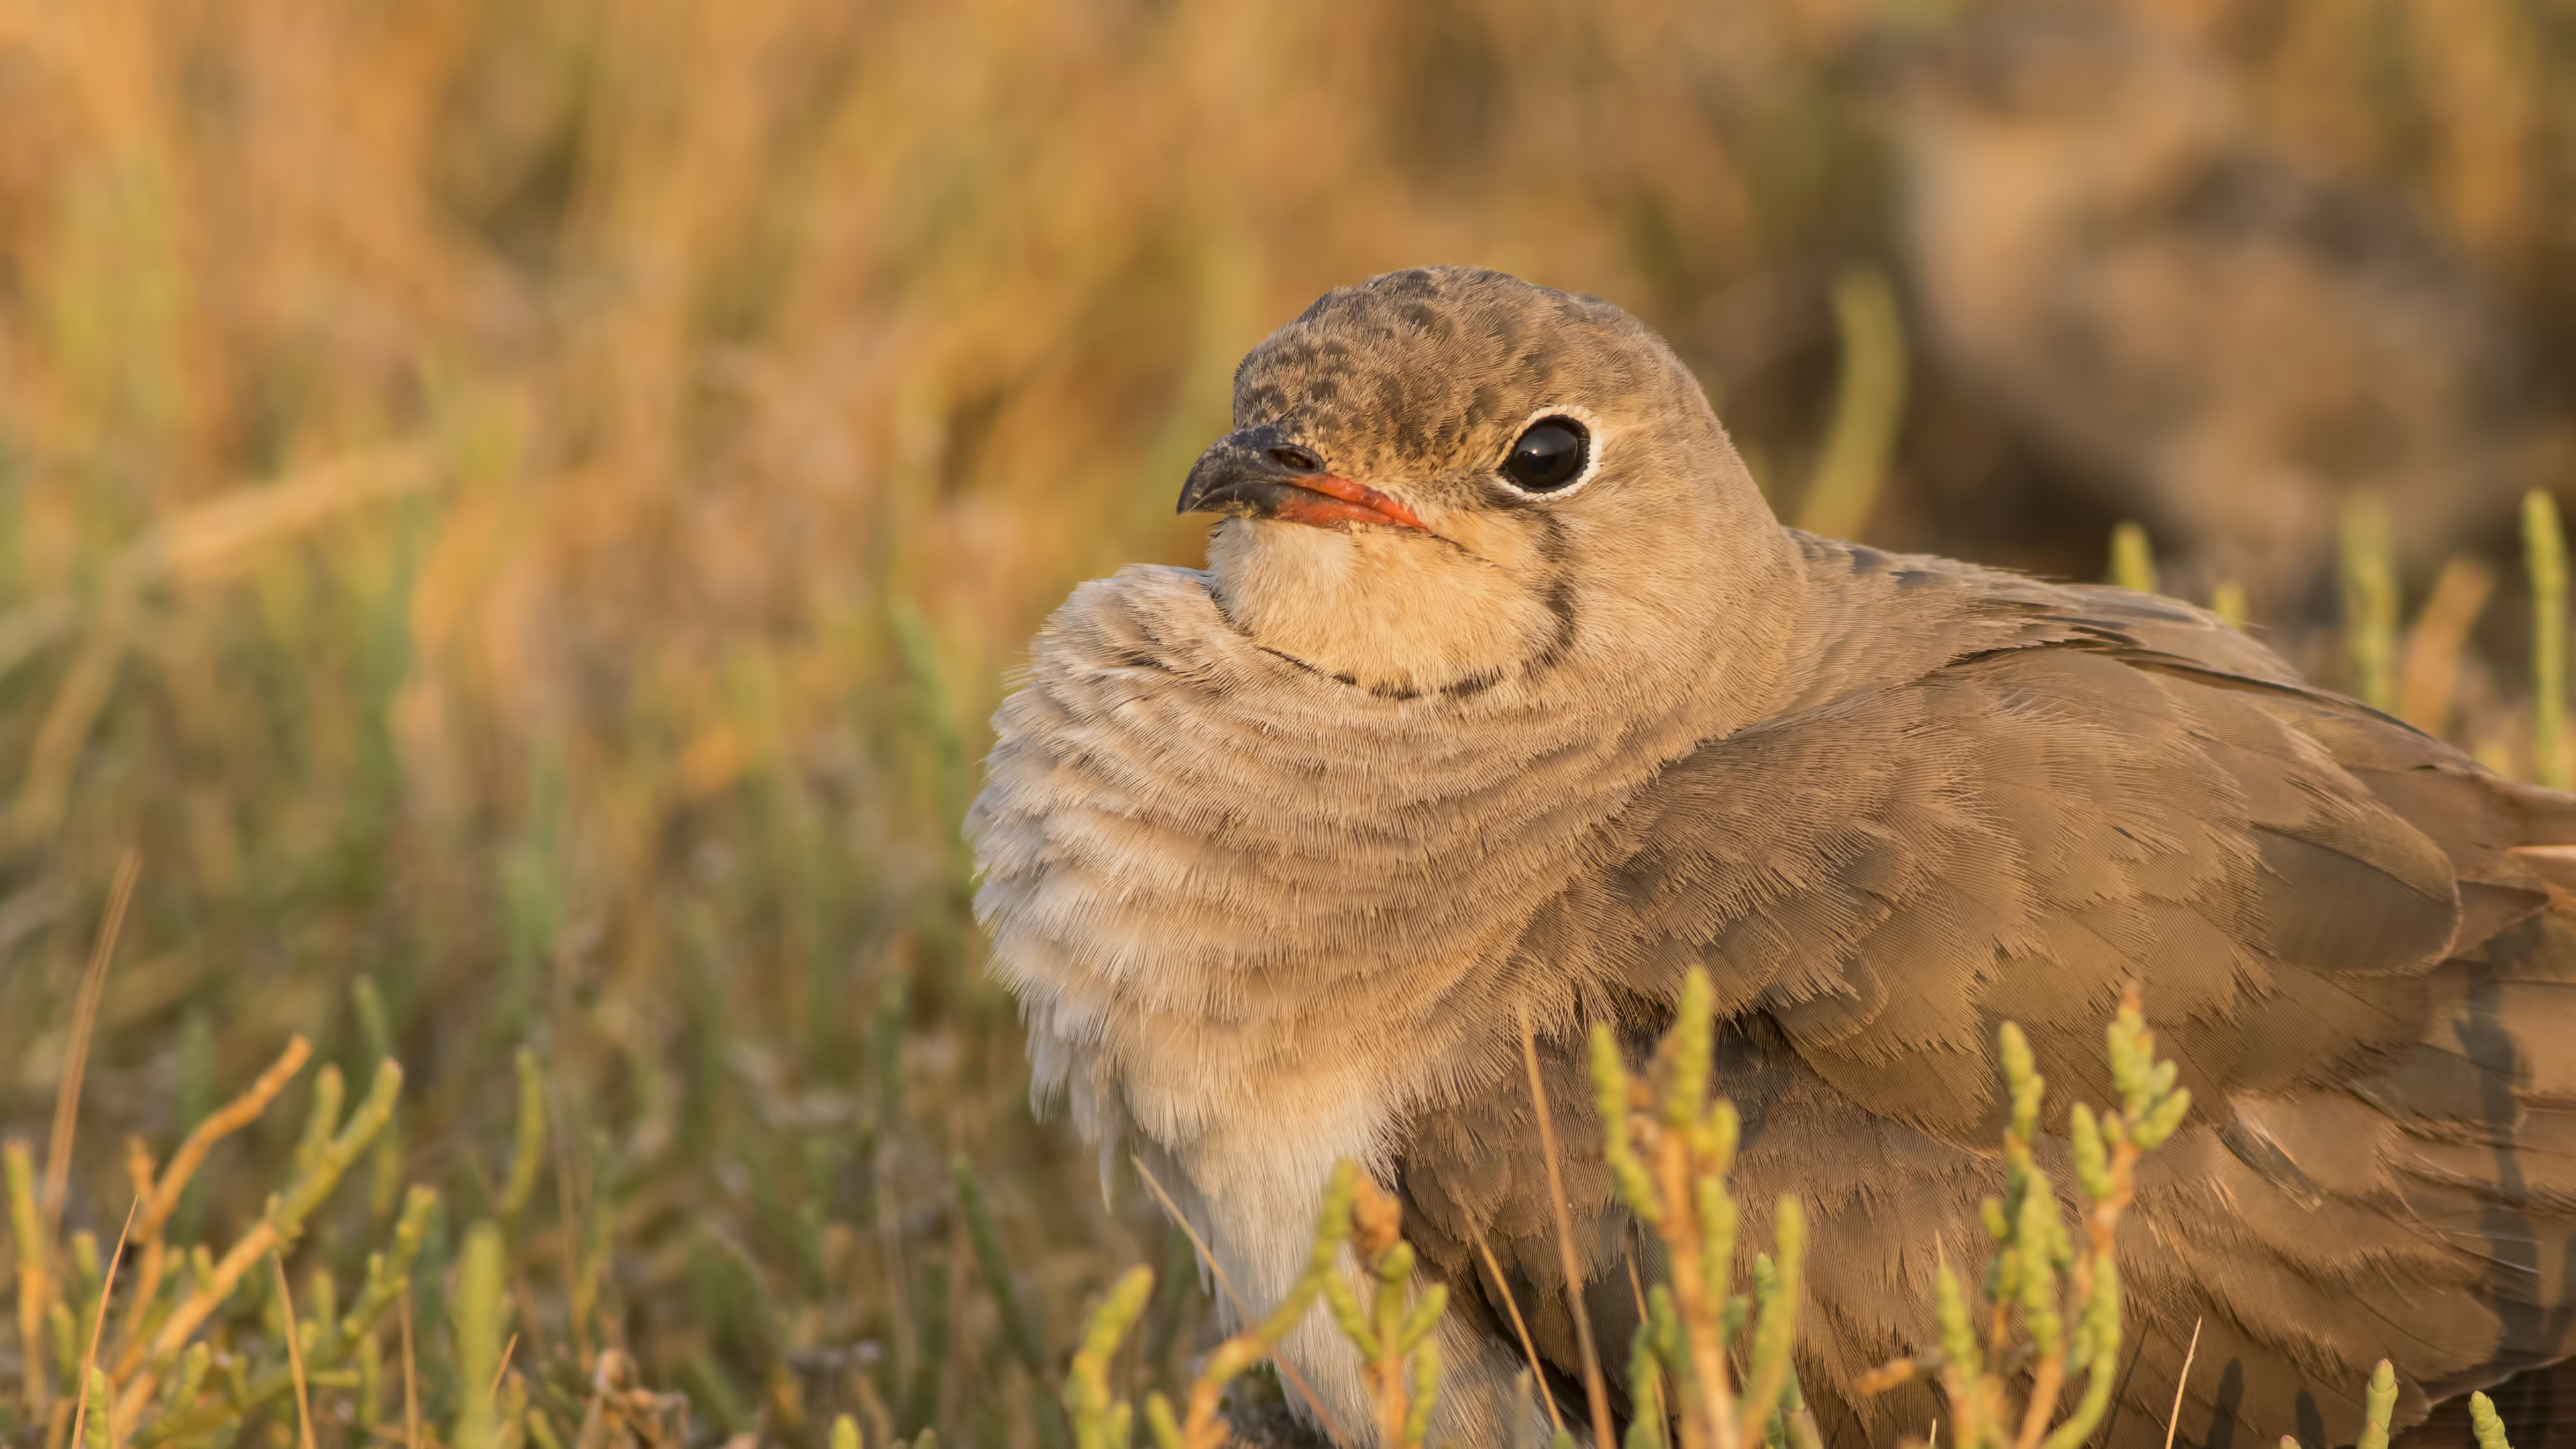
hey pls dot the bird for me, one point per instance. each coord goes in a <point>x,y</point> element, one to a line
<point>2209,331</point>
<point>1503,696</point>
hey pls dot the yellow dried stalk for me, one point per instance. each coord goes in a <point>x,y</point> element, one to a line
<point>161,1195</point>
<point>35,1285</point>
<point>1392,1331</point>
<point>1399,1364</point>
<point>1101,1420</point>
<point>1669,1147</point>
<point>276,1228</point>
<point>2064,1294</point>
<point>2370,603</point>
<point>2544,545</point>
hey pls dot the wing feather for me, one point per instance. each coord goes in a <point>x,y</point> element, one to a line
<point>2336,939</point>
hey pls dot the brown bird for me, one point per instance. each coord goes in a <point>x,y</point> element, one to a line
<point>1504,691</point>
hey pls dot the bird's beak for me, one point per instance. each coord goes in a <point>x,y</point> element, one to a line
<point>1255,473</point>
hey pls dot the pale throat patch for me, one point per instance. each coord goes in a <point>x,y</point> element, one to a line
<point>1389,610</point>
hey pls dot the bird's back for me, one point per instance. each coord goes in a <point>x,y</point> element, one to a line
<point>2347,934</point>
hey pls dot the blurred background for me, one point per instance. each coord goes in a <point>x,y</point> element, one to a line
<point>515,514</point>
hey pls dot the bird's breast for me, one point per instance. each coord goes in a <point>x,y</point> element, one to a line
<point>1222,888</point>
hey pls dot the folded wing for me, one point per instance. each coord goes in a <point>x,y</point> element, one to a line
<point>2344,935</point>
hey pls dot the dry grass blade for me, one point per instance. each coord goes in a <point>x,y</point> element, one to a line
<point>2429,682</point>
<point>58,1149</point>
<point>1595,1390</point>
<point>199,544</point>
<point>206,540</point>
<point>1529,1347</point>
<point>294,1356</point>
<point>213,536</point>
<point>44,787</point>
<point>1242,1309</point>
<point>2174,1417</point>
<point>97,1327</point>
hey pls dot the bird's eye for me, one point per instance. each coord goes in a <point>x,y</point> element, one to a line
<point>1548,456</point>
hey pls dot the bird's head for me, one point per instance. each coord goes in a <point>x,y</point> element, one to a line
<point>1443,478</point>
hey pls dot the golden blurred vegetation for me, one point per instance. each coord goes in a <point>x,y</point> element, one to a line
<point>515,513</point>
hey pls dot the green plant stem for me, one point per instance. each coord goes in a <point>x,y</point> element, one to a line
<point>2544,544</point>
<point>1869,406</point>
<point>2133,559</point>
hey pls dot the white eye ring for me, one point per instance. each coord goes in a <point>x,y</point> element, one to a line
<point>1582,417</point>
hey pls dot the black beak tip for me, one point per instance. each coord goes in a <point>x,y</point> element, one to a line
<point>1196,488</point>
<point>1232,477</point>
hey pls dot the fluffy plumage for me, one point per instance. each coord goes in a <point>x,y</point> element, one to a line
<point>1273,852</point>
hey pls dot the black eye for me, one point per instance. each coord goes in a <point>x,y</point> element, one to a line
<point>1548,456</point>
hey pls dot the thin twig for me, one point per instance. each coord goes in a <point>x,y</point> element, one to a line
<point>1529,1349</point>
<point>503,1371</point>
<point>1594,1388</point>
<point>97,1327</point>
<point>2174,1418</point>
<point>294,1356</point>
<point>58,1149</point>
<point>1243,1310</point>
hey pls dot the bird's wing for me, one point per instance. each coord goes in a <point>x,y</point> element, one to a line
<point>2337,942</point>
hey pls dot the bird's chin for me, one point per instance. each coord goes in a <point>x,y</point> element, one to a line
<point>1321,500</point>
<point>1316,511</point>
<point>1389,610</point>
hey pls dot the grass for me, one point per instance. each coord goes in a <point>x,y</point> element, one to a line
<point>511,517</point>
